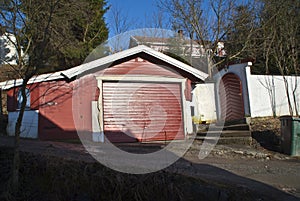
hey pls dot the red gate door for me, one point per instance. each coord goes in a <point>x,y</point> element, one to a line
<point>231,98</point>
<point>142,111</point>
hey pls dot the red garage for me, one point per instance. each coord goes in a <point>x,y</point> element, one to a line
<point>135,95</point>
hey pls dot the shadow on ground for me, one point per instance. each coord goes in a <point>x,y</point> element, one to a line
<point>267,139</point>
<point>59,171</point>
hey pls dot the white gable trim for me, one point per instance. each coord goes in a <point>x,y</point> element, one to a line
<point>126,53</point>
<point>40,78</point>
<point>72,72</point>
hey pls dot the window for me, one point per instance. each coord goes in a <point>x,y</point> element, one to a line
<point>20,99</point>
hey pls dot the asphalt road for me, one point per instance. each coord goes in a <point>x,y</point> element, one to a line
<point>272,174</point>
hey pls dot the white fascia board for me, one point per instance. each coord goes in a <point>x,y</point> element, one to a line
<point>72,72</point>
<point>40,78</point>
<point>129,52</point>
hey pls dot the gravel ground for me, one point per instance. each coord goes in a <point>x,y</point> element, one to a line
<point>266,172</point>
<point>272,168</point>
<point>259,167</point>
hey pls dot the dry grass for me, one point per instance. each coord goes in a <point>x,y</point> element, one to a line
<point>266,124</point>
<point>50,178</point>
<point>266,133</point>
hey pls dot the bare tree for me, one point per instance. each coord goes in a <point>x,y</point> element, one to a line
<point>14,24</point>
<point>208,22</point>
<point>119,22</point>
<point>269,85</point>
<point>157,19</point>
<point>280,22</point>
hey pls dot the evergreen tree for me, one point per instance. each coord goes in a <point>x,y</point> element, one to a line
<point>56,33</point>
<point>76,28</point>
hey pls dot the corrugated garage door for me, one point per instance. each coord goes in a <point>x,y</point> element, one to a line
<point>231,100</point>
<point>142,111</point>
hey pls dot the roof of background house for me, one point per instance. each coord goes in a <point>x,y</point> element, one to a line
<point>142,40</point>
<point>106,61</point>
<point>149,39</point>
<point>199,63</point>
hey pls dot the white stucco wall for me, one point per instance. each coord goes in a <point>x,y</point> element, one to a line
<point>267,92</point>
<point>29,128</point>
<point>204,98</point>
<point>240,71</point>
<point>261,93</point>
<point>188,116</point>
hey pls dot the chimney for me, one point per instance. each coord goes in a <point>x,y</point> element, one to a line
<point>180,33</point>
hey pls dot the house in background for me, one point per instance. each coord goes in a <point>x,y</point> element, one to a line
<point>8,51</point>
<point>135,95</point>
<point>182,48</point>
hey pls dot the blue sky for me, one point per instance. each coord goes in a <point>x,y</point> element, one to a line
<point>136,10</point>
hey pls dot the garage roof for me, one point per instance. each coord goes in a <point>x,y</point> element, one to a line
<point>72,72</point>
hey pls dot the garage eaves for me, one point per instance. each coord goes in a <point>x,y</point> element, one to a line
<point>78,70</point>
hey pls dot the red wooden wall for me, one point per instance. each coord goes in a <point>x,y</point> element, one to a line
<point>57,107</point>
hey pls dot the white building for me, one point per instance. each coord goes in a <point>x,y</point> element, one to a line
<point>8,50</point>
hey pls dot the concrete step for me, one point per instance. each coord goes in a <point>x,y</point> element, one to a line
<point>226,136</point>
<point>239,127</point>
<point>232,122</point>
<point>226,140</point>
<point>226,133</point>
